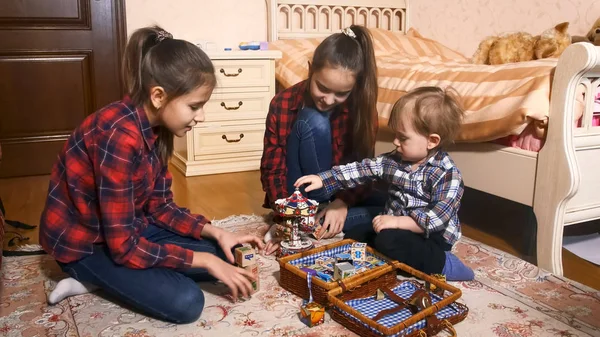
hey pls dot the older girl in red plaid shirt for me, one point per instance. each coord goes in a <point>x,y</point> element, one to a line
<point>328,119</point>
<point>110,220</point>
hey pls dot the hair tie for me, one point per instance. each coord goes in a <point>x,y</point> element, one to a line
<point>163,34</point>
<point>349,32</point>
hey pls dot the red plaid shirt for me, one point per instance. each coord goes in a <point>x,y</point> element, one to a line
<point>107,186</point>
<point>283,111</point>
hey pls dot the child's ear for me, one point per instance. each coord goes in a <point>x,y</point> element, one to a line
<point>433,140</point>
<point>158,97</point>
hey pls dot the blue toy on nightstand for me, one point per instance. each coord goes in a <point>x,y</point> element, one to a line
<point>250,45</point>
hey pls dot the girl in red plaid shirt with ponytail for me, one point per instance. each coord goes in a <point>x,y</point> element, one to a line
<point>326,120</point>
<point>110,220</point>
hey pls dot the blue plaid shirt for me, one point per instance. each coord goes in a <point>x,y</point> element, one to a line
<point>430,194</point>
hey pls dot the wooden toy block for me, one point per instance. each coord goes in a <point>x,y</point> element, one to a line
<point>343,257</point>
<point>324,260</point>
<point>343,270</point>
<point>254,270</point>
<point>245,256</point>
<point>312,314</point>
<point>358,251</point>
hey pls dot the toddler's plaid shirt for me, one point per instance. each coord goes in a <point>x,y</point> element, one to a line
<point>430,195</point>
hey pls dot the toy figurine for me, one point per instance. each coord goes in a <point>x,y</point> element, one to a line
<point>298,213</point>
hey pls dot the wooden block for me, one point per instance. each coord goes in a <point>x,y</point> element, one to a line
<point>343,270</point>
<point>245,256</point>
<point>312,314</point>
<point>358,251</point>
<point>325,261</point>
<point>254,270</point>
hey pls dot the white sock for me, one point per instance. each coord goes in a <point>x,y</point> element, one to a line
<point>69,287</point>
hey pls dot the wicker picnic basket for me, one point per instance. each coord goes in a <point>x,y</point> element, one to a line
<point>293,279</point>
<point>423,323</point>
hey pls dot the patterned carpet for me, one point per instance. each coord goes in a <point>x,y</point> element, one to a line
<point>509,298</point>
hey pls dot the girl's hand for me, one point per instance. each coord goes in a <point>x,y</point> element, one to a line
<point>334,218</point>
<point>272,246</point>
<point>313,182</point>
<point>228,240</point>
<point>238,280</point>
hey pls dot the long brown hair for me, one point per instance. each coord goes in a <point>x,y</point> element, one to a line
<point>153,58</point>
<point>354,51</point>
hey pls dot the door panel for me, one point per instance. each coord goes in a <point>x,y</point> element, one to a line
<point>52,112</point>
<point>56,14</point>
<point>59,62</point>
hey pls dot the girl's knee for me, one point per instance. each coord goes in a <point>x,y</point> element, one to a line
<point>187,306</point>
<point>312,119</point>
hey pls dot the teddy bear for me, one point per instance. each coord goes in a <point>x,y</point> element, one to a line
<point>593,36</point>
<point>521,46</point>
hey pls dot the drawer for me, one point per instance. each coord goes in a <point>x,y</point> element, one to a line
<point>228,140</point>
<point>243,73</point>
<point>236,106</point>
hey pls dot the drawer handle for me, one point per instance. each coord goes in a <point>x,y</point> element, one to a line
<point>232,140</point>
<point>233,107</point>
<point>222,71</point>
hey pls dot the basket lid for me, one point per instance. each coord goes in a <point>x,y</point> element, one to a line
<point>296,205</point>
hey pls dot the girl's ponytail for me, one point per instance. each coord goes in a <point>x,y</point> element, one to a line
<point>153,58</point>
<point>365,101</point>
<point>353,50</point>
<point>139,44</point>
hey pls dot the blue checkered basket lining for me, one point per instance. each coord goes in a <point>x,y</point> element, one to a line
<point>310,259</point>
<point>370,307</point>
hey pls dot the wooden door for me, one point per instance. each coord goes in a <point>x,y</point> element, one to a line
<point>59,62</point>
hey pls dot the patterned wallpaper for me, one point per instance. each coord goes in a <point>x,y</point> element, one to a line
<point>462,24</point>
<point>221,22</point>
<point>459,24</point>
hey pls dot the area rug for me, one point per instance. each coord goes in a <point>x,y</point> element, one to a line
<point>509,298</point>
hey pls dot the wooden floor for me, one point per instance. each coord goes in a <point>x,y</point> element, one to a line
<point>493,221</point>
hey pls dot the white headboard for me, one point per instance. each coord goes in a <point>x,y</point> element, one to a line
<point>293,19</point>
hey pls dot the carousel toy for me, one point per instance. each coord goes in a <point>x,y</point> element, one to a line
<point>298,214</point>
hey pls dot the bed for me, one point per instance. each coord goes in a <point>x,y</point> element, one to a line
<point>560,181</point>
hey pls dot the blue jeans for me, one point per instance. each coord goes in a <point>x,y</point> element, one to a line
<point>309,151</point>
<point>166,294</point>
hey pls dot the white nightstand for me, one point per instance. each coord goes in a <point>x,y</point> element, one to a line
<point>231,137</point>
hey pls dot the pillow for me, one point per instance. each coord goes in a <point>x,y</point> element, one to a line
<point>296,53</point>
<point>413,45</point>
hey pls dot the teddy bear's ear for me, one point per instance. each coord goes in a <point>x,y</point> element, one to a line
<point>594,31</point>
<point>562,27</point>
<point>548,52</point>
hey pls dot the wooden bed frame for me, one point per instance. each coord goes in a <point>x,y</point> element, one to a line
<point>561,182</point>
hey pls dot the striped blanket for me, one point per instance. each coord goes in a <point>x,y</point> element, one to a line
<point>500,100</point>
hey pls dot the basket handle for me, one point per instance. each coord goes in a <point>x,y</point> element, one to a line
<point>446,324</point>
<point>424,276</point>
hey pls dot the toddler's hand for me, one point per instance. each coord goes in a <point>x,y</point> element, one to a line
<point>313,182</point>
<point>382,222</point>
